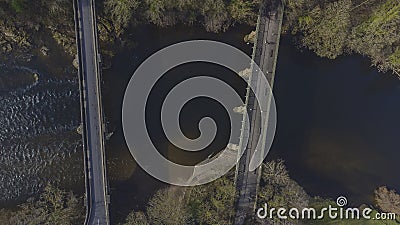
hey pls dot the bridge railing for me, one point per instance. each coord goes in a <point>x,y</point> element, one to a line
<point>245,129</point>
<point>78,38</point>
<point>101,113</point>
<point>245,126</point>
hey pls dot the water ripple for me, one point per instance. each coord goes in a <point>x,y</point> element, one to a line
<point>38,139</point>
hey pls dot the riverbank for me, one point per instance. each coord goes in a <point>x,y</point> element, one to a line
<point>330,29</point>
<point>213,203</point>
<point>27,27</point>
<point>334,28</point>
<point>53,206</point>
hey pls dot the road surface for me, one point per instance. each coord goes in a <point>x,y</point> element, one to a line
<point>96,181</point>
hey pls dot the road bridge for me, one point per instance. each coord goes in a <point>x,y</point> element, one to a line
<point>265,53</point>
<point>96,198</point>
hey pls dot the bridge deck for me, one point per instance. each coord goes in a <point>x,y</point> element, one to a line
<point>265,53</point>
<point>92,115</point>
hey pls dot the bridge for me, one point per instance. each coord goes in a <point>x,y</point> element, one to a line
<point>265,53</point>
<point>96,185</point>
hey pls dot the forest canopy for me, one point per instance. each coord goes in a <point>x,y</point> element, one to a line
<point>329,28</point>
<point>332,28</point>
<point>215,15</point>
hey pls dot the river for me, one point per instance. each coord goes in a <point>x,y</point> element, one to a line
<point>39,116</point>
<point>132,187</point>
<point>337,122</point>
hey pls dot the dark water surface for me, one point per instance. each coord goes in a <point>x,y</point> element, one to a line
<point>130,186</point>
<point>338,124</point>
<point>38,121</point>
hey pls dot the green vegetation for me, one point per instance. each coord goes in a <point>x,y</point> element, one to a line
<point>387,200</point>
<point>379,35</point>
<point>22,22</point>
<point>243,10</point>
<point>164,199</point>
<point>205,204</point>
<point>213,203</point>
<point>54,206</point>
<point>394,58</point>
<point>326,29</point>
<point>120,12</point>
<point>277,189</point>
<point>331,28</point>
<point>18,5</point>
<point>136,218</point>
<point>215,15</point>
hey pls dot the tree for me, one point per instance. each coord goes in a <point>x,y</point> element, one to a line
<point>394,61</point>
<point>387,200</point>
<point>275,173</point>
<point>136,218</point>
<point>18,5</point>
<point>54,206</point>
<point>330,28</point>
<point>379,35</point>
<point>325,30</point>
<point>57,7</point>
<point>277,189</point>
<point>5,216</point>
<point>212,203</point>
<point>155,12</point>
<point>215,15</point>
<point>243,10</point>
<point>293,10</point>
<point>167,207</point>
<point>121,12</point>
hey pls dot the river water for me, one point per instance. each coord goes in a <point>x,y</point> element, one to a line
<point>131,187</point>
<point>38,120</point>
<point>338,122</point>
